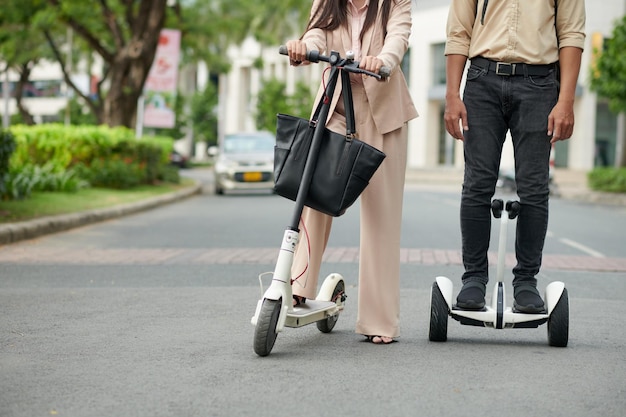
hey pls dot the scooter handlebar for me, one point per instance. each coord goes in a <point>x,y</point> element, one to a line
<point>314,56</point>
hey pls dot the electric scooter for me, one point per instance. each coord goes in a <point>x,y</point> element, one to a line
<point>275,310</point>
<point>498,315</point>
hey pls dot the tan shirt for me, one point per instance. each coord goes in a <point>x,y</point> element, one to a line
<point>515,30</point>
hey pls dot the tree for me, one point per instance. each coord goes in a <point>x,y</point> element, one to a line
<point>273,99</point>
<point>203,115</point>
<point>21,46</point>
<point>124,34</point>
<point>608,77</point>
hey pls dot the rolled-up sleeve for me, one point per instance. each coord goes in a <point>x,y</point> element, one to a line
<point>570,23</point>
<point>461,17</point>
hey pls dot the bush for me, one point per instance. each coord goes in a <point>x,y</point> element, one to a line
<point>21,182</point>
<point>104,156</point>
<point>169,174</point>
<point>112,173</point>
<point>608,179</point>
<point>7,146</point>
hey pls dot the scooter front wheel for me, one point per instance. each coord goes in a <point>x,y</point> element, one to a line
<point>438,331</point>
<point>265,331</point>
<point>558,322</point>
<point>326,325</point>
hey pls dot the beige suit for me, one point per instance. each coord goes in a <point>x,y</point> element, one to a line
<point>382,109</point>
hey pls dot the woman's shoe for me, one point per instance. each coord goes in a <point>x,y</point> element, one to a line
<point>298,300</point>
<point>380,340</point>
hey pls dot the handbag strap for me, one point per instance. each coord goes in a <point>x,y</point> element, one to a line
<point>346,90</point>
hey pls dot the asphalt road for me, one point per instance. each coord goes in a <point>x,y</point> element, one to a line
<point>149,315</point>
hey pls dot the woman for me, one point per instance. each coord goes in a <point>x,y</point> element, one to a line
<point>377,31</point>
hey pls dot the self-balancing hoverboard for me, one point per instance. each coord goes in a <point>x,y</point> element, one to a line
<point>275,309</point>
<point>498,316</point>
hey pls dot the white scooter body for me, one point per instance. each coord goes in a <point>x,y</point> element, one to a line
<point>498,315</point>
<point>275,311</point>
<point>312,311</point>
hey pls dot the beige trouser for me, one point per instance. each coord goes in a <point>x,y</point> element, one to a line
<point>381,215</point>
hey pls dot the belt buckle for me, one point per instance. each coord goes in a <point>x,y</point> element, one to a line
<point>504,68</point>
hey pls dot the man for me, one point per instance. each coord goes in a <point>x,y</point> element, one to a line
<point>524,63</point>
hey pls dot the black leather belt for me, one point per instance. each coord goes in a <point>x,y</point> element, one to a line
<point>508,69</point>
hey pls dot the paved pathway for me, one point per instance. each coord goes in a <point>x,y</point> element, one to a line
<point>25,253</point>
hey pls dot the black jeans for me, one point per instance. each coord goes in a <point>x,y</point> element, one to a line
<point>497,104</point>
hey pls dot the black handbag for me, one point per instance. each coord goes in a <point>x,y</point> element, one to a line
<point>344,165</point>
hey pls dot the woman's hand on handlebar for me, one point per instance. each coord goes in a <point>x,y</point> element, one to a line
<point>297,52</point>
<point>371,64</point>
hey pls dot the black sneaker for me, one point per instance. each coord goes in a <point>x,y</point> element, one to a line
<point>472,296</point>
<point>527,300</point>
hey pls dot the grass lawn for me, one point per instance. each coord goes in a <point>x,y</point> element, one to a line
<point>42,204</point>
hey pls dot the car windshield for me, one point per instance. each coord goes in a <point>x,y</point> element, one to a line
<point>248,144</point>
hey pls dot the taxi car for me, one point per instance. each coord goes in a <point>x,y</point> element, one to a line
<point>244,161</point>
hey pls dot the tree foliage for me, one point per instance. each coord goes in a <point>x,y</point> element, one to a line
<point>608,78</point>
<point>121,36</point>
<point>203,115</point>
<point>273,99</point>
<point>21,46</point>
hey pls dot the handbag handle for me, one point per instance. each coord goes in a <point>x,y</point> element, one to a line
<point>348,104</point>
<point>346,90</point>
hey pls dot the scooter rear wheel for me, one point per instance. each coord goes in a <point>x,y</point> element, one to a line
<point>438,331</point>
<point>558,322</point>
<point>327,325</point>
<point>265,331</point>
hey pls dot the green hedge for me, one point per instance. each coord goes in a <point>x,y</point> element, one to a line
<point>7,147</point>
<point>608,179</point>
<point>104,156</point>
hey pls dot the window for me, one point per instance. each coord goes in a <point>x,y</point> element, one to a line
<point>439,63</point>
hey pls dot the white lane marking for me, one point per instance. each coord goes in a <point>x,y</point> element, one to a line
<point>582,248</point>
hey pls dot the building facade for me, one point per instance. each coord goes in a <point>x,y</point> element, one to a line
<point>594,142</point>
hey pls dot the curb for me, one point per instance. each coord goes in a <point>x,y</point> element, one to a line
<point>15,232</point>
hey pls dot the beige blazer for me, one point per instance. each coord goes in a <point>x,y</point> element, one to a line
<point>390,102</point>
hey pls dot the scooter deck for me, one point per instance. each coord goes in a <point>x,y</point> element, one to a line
<point>311,312</point>
<point>488,317</point>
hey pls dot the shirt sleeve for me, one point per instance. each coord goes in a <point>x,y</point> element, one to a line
<point>461,18</point>
<point>570,23</point>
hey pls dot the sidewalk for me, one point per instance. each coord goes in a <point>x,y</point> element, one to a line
<point>570,184</point>
<point>14,232</point>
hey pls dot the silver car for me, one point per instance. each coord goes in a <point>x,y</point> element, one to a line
<point>245,161</point>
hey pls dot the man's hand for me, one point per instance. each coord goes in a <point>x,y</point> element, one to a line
<point>455,116</point>
<point>561,122</point>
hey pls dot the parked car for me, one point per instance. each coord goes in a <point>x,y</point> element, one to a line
<point>244,161</point>
<point>178,159</point>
